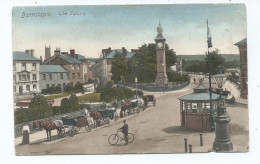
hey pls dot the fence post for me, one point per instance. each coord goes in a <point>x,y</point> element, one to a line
<point>201,140</point>
<point>185,145</point>
<point>190,148</point>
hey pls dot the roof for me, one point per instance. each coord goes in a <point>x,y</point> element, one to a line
<point>200,97</point>
<point>93,59</point>
<point>20,56</point>
<point>94,67</point>
<point>52,69</point>
<point>241,42</point>
<point>81,57</point>
<point>112,54</point>
<point>70,59</point>
<point>200,87</point>
<point>159,37</point>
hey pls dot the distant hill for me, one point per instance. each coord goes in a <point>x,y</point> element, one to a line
<point>228,57</point>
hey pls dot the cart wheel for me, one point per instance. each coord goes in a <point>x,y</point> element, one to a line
<point>72,131</point>
<point>107,120</point>
<point>116,118</point>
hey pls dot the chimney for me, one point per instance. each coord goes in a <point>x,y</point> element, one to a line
<point>27,52</point>
<point>65,53</point>
<point>72,51</point>
<point>41,60</point>
<point>109,50</point>
<point>31,52</point>
<point>124,51</point>
<point>57,52</point>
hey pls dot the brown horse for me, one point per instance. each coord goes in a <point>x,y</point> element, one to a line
<point>49,126</point>
<point>96,116</point>
<point>124,107</point>
<point>146,100</point>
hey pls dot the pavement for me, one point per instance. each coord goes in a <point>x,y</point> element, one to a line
<point>156,130</point>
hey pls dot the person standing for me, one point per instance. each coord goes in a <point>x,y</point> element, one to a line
<point>124,129</point>
<point>26,132</point>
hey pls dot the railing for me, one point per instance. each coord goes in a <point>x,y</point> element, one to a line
<point>155,88</point>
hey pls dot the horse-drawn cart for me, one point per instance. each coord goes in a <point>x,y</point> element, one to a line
<point>74,124</point>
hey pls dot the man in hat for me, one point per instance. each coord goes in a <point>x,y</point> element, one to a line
<point>125,131</point>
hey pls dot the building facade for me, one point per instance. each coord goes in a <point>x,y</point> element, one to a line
<point>242,46</point>
<point>105,63</point>
<point>52,76</point>
<point>72,65</point>
<point>25,73</point>
<point>161,76</point>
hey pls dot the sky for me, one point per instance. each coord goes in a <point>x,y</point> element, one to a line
<point>99,27</point>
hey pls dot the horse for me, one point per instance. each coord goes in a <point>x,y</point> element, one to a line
<point>49,126</point>
<point>96,116</point>
<point>124,107</point>
<point>146,100</point>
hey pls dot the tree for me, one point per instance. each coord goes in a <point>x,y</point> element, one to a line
<point>19,117</point>
<point>216,60</point>
<point>39,107</point>
<point>119,68</point>
<point>74,103</point>
<point>65,106</point>
<point>145,62</point>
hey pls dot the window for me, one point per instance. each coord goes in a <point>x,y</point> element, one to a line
<point>71,83</point>
<point>14,77</point>
<point>47,86</point>
<point>73,75</point>
<point>14,66</point>
<point>23,77</point>
<point>59,85</point>
<point>61,75</point>
<point>78,66</point>
<point>28,76</point>
<point>64,84</point>
<point>28,88</point>
<point>15,89</point>
<point>78,75</point>
<point>34,65</point>
<point>50,77</point>
<point>43,76</point>
<point>20,77</point>
<point>53,85</point>
<point>72,66</point>
<point>23,66</point>
<point>34,77</point>
<point>34,87</point>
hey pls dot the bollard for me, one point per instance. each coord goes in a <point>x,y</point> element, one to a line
<point>201,140</point>
<point>185,145</point>
<point>190,148</point>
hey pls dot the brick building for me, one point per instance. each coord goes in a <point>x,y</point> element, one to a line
<point>242,46</point>
<point>74,66</point>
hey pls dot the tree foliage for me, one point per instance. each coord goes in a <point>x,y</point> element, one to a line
<point>39,107</point>
<point>119,68</point>
<point>19,117</point>
<point>65,106</point>
<point>74,103</point>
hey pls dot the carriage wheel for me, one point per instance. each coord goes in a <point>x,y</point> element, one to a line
<point>77,128</point>
<point>130,137</point>
<point>72,131</point>
<point>107,120</point>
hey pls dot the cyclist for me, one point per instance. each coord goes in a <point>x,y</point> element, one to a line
<point>124,129</point>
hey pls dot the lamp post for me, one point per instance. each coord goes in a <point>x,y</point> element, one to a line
<point>222,140</point>
<point>136,87</point>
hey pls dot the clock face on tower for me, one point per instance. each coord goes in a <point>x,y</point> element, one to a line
<point>159,45</point>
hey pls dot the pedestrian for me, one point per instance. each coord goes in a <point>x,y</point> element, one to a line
<point>124,129</point>
<point>194,80</point>
<point>26,132</point>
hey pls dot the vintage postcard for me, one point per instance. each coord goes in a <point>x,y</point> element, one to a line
<point>130,79</point>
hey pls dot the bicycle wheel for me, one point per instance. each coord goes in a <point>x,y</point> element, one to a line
<point>130,137</point>
<point>113,139</point>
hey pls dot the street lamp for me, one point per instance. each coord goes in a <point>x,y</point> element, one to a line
<point>136,87</point>
<point>222,140</point>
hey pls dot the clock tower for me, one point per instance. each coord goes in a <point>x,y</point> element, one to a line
<point>161,77</point>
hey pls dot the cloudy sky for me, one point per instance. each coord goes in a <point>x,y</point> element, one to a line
<point>98,27</point>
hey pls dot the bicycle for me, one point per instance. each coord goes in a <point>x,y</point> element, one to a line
<point>114,138</point>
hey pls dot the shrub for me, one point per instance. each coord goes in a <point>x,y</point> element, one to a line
<point>65,106</point>
<point>39,107</point>
<point>74,103</point>
<point>19,117</point>
<point>56,110</point>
